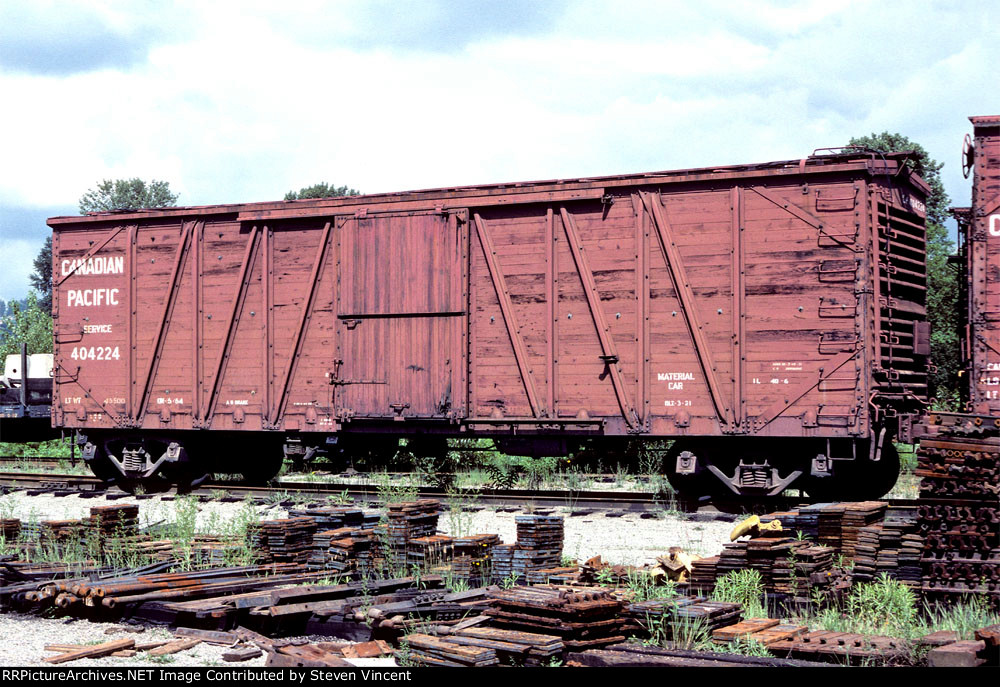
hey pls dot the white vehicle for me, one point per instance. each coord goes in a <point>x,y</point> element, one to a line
<point>26,397</point>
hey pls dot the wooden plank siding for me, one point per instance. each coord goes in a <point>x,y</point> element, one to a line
<point>665,304</point>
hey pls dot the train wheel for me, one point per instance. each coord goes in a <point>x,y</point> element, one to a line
<point>103,468</point>
<point>860,479</point>
<point>681,454</point>
<point>263,468</point>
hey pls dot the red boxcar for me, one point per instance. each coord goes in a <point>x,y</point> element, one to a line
<point>769,317</point>
<point>979,257</point>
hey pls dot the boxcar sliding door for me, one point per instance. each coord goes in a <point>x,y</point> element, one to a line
<point>402,294</point>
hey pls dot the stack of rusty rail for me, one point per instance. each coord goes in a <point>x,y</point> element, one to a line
<point>394,610</point>
<point>203,550</point>
<point>959,469</point>
<point>764,631</point>
<point>843,647</point>
<point>427,552</point>
<point>580,617</point>
<point>18,579</point>
<point>703,574</point>
<point>336,517</point>
<point>283,541</point>
<point>857,516</point>
<point>538,547</point>
<point>416,608</point>
<point>112,592</point>
<point>279,603</point>
<point>343,550</point>
<point>114,521</point>
<point>481,646</point>
<point>473,557</point>
<point>406,521</point>
<point>892,547</point>
<point>10,530</point>
<point>561,575</point>
<point>674,617</point>
<point>961,549</point>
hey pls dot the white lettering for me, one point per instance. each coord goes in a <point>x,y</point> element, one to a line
<point>101,264</point>
<point>674,376</point>
<point>97,329</point>
<point>994,225</point>
<point>91,297</point>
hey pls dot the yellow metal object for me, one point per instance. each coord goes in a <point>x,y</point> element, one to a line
<point>752,526</point>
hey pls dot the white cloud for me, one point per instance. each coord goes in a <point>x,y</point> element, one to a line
<point>239,106</point>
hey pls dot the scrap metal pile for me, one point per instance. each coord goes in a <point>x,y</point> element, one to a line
<point>961,553</point>
<point>561,614</point>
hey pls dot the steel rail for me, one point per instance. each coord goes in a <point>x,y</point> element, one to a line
<point>641,502</point>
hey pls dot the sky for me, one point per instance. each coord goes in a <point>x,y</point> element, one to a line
<point>244,101</point>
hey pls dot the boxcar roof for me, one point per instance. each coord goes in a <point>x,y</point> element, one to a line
<point>552,190</point>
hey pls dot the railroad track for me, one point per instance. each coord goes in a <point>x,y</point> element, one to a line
<point>35,460</point>
<point>300,492</point>
<point>288,493</point>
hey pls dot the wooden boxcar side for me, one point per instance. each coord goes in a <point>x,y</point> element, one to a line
<point>777,301</point>
<point>980,256</point>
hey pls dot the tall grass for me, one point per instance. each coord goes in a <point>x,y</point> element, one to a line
<point>745,587</point>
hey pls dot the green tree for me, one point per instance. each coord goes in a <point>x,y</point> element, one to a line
<point>321,190</point>
<point>942,280</point>
<point>127,194</point>
<point>30,324</point>
<point>41,278</point>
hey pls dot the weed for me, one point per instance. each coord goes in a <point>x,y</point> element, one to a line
<point>745,587</point>
<point>510,581</point>
<point>341,499</point>
<point>690,634</point>
<point>964,617</point>
<point>460,520</point>
<point>539,471</point>
<point>390,492</point>
<point>743,646</point>
<point>404,655</point>
<point>644,587</point>
<point>884,606</point>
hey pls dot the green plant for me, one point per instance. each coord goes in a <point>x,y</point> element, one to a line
<point>605,577</point>
<point>389,491</point>
<point>538,471</point>
<point>745,587</point>
<point>404,654</point>
<point>690,634</point>
<point>183,529</point>
<point>885,605</point>
<point>460,518</point>
<point>964,617</point>
<point>341,499</point>
<point>644,587</point>
<point>743,646</point>
<point>510,581</point>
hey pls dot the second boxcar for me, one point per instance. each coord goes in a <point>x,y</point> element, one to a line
<point>769,318</point>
